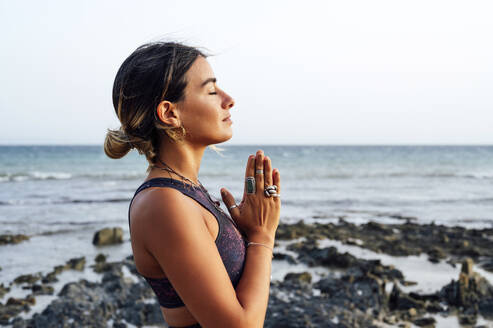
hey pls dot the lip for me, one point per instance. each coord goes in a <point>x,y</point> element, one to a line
<point>227,118</point>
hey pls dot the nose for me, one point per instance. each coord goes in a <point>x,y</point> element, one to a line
<point>228,101</point>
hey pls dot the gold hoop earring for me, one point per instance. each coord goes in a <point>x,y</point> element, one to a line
<point>175,135</point>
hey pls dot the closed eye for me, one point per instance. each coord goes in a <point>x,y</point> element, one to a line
<point>213,93</point>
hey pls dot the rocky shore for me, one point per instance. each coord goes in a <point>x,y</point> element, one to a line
<point>356,293</point>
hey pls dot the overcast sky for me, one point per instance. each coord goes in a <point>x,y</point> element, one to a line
<point>301,72</point>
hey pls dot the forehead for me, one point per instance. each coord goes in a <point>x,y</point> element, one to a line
<point>199,72</point>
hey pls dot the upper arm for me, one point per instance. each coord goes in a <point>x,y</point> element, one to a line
<point>178,238</point>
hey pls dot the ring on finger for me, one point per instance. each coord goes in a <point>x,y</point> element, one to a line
<point>233,206</point>
<point>270,190</point>
<point>259,171</point>
<point>269,193</point>
<point>250,185</point>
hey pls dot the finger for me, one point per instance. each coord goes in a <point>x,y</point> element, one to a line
<point>276,177</point>
<point>250,171</point>
<point>259,174</point>
<point>267,171</point>
<point>229,200</point>
<point>250,166</point>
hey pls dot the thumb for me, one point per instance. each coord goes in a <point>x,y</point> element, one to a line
<point>229,201</point>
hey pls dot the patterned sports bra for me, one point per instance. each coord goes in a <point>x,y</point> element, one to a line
<point>230,242</point>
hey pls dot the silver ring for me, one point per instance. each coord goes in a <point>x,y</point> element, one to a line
<point>232,206</point>
<point>259,171</point>
<point>250,185</point>
<point>270,191</point>
<point>276,195</point>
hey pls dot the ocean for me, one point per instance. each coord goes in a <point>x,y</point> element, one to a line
<point>61,195</point>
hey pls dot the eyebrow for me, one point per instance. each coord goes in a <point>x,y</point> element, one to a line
<point>211,79</point>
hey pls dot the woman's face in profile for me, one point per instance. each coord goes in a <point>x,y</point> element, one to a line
<point>206,106</point>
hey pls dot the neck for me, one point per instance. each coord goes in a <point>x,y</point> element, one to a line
<point>184,158</point>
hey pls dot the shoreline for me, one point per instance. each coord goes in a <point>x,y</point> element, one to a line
<point>338,274</point>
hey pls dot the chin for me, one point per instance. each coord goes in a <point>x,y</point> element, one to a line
<point>225,137</point>
<point>229,136</point>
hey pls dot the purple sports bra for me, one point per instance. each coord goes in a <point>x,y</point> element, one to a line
<point>230,242</point>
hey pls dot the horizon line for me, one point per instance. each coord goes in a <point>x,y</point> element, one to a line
<point>258,144</point>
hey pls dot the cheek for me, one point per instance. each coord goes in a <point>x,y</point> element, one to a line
<point>202,116</point>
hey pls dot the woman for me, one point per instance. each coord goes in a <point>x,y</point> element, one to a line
<point>206,269</point>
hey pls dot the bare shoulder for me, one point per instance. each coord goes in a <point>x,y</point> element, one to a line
<point>151,201</point>
<point>173,231</point>
<point>161,200</point>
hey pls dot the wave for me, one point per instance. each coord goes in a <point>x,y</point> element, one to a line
<point>314,175</point>
<point>89,201</point>
<point>486,200</point>
<point>320,172</point>
<point>37,175</point>
<point>63,201</point>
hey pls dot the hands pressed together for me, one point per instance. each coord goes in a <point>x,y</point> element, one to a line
<point>259,211</point>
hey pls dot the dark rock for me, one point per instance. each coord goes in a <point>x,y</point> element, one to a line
<point>399,300</point>
<point>42,290</point>
<point>356,298</point>
<point>27,278</point>
<point>468,319</point>
<point>29,300</point>
<point>12,239</point>
<point>294,305</point>
<point>467,266</point>
<point>100,258</point>
<point>435,254</point>
<point>473,252</point>
<point>59,268</point>
<point>286,257</point>
<point>92,304</point>
<point>376,227</point>
<point>425,322</point>
<point>143,314</point>
<point>330,257</point>
<point>304,277</point>
<point>425,297</point>
<point>49,278</point>
<point>363,292</point>
<point>3,290</point>
<point>292,231</point>
<point>470,292</point>
<point>485,307</point>
<point>434,307</point>
<point>409,238</point>
<point>108,236</point>
<point>76,263</point>
<point>12,309</point>
<point>102,267</point>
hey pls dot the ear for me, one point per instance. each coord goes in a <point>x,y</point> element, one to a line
<point>168,113</point>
